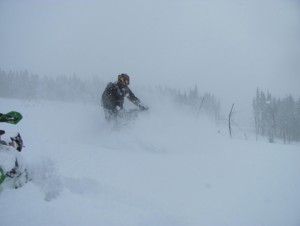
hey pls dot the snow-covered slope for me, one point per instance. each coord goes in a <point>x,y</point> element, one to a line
<point>165,168</point>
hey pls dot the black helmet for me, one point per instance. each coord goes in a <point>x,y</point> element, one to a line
<point>123,79</point>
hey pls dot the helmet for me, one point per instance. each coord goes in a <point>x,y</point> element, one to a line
<point>123,79</point>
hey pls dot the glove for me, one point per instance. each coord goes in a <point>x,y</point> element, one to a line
<point>143,108</point>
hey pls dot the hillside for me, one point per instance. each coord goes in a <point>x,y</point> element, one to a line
<point>167,167</point>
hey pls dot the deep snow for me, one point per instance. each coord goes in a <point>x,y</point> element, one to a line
<point>165,168</point>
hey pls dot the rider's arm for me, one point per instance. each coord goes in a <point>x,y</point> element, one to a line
<point>133,98</point>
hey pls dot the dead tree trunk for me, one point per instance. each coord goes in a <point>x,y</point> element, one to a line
<point>229,120</point>
<point>198,112</point>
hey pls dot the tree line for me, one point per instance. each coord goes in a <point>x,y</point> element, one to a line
<point>276,117</point>
<point>23,85</point>
<point>205,103</point>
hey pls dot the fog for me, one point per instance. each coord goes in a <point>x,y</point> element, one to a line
<point>227,48</point>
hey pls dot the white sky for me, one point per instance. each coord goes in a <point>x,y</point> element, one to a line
<point>225,47</point>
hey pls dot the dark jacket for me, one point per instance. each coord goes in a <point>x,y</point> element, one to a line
<point>114,94</point>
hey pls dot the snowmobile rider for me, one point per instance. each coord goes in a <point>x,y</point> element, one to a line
<point>114,94</point>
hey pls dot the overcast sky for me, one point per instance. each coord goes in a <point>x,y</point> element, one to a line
<point>225,47</point>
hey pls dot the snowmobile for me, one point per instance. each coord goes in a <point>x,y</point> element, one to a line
<point>124,117</point>
<point>13,169</point>
<point>131,114</point>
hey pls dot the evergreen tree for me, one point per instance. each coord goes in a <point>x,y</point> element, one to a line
<point>276,118</point>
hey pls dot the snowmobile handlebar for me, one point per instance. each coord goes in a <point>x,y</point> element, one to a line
<point>140,109</point>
